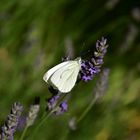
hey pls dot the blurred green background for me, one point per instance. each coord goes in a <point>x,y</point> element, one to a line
<point>36,34</point>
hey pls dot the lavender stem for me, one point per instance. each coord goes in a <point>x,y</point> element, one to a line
<point>24,132</point>
<point>45,117</point>
<point>87,109</point>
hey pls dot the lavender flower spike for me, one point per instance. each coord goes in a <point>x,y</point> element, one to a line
<point>32,115</point>
<point>62,108</point>
<point>91,67</point>
<point>51,103</point>
<point>11,123</point>
<point>57,109</point>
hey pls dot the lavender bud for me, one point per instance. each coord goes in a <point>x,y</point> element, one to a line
<point>51,103</point>
<point>64,106</point>
<point>89,68</point>
<point>12,121</point>
<point>61,109</point>
<point>33,112</point>
<point>72,123</point>
<point>22,123</point>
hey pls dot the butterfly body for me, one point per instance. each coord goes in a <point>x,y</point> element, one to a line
<point>64,75</point>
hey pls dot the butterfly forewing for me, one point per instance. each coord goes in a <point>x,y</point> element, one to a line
<point>70,82</point>
<point>49,73</point>
<point>64,75</point>
<point>64,78</point>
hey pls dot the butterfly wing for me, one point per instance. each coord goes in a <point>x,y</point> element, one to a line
<point>50,72</point>
<point>70,82</point>
<point>65,77</point>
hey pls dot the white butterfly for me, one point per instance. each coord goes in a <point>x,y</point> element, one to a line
<point>64,75</point>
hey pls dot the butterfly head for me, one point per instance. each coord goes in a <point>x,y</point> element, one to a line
<point>79,60</point>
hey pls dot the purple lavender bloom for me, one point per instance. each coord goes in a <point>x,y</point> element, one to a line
<point>52,102</point>
<point>54,105</point>
<point>22,123</point>
<point>12,121</point>
<point>62,108</point>
<point>89,68</point>
<point>32,114</point>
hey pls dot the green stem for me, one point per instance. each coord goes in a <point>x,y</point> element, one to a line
<point>82,115</point>
<point>86,110</point>
<point>44,117</point>
<point>24,132</point>
<point>26,127</point>
<point>66,135</point>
